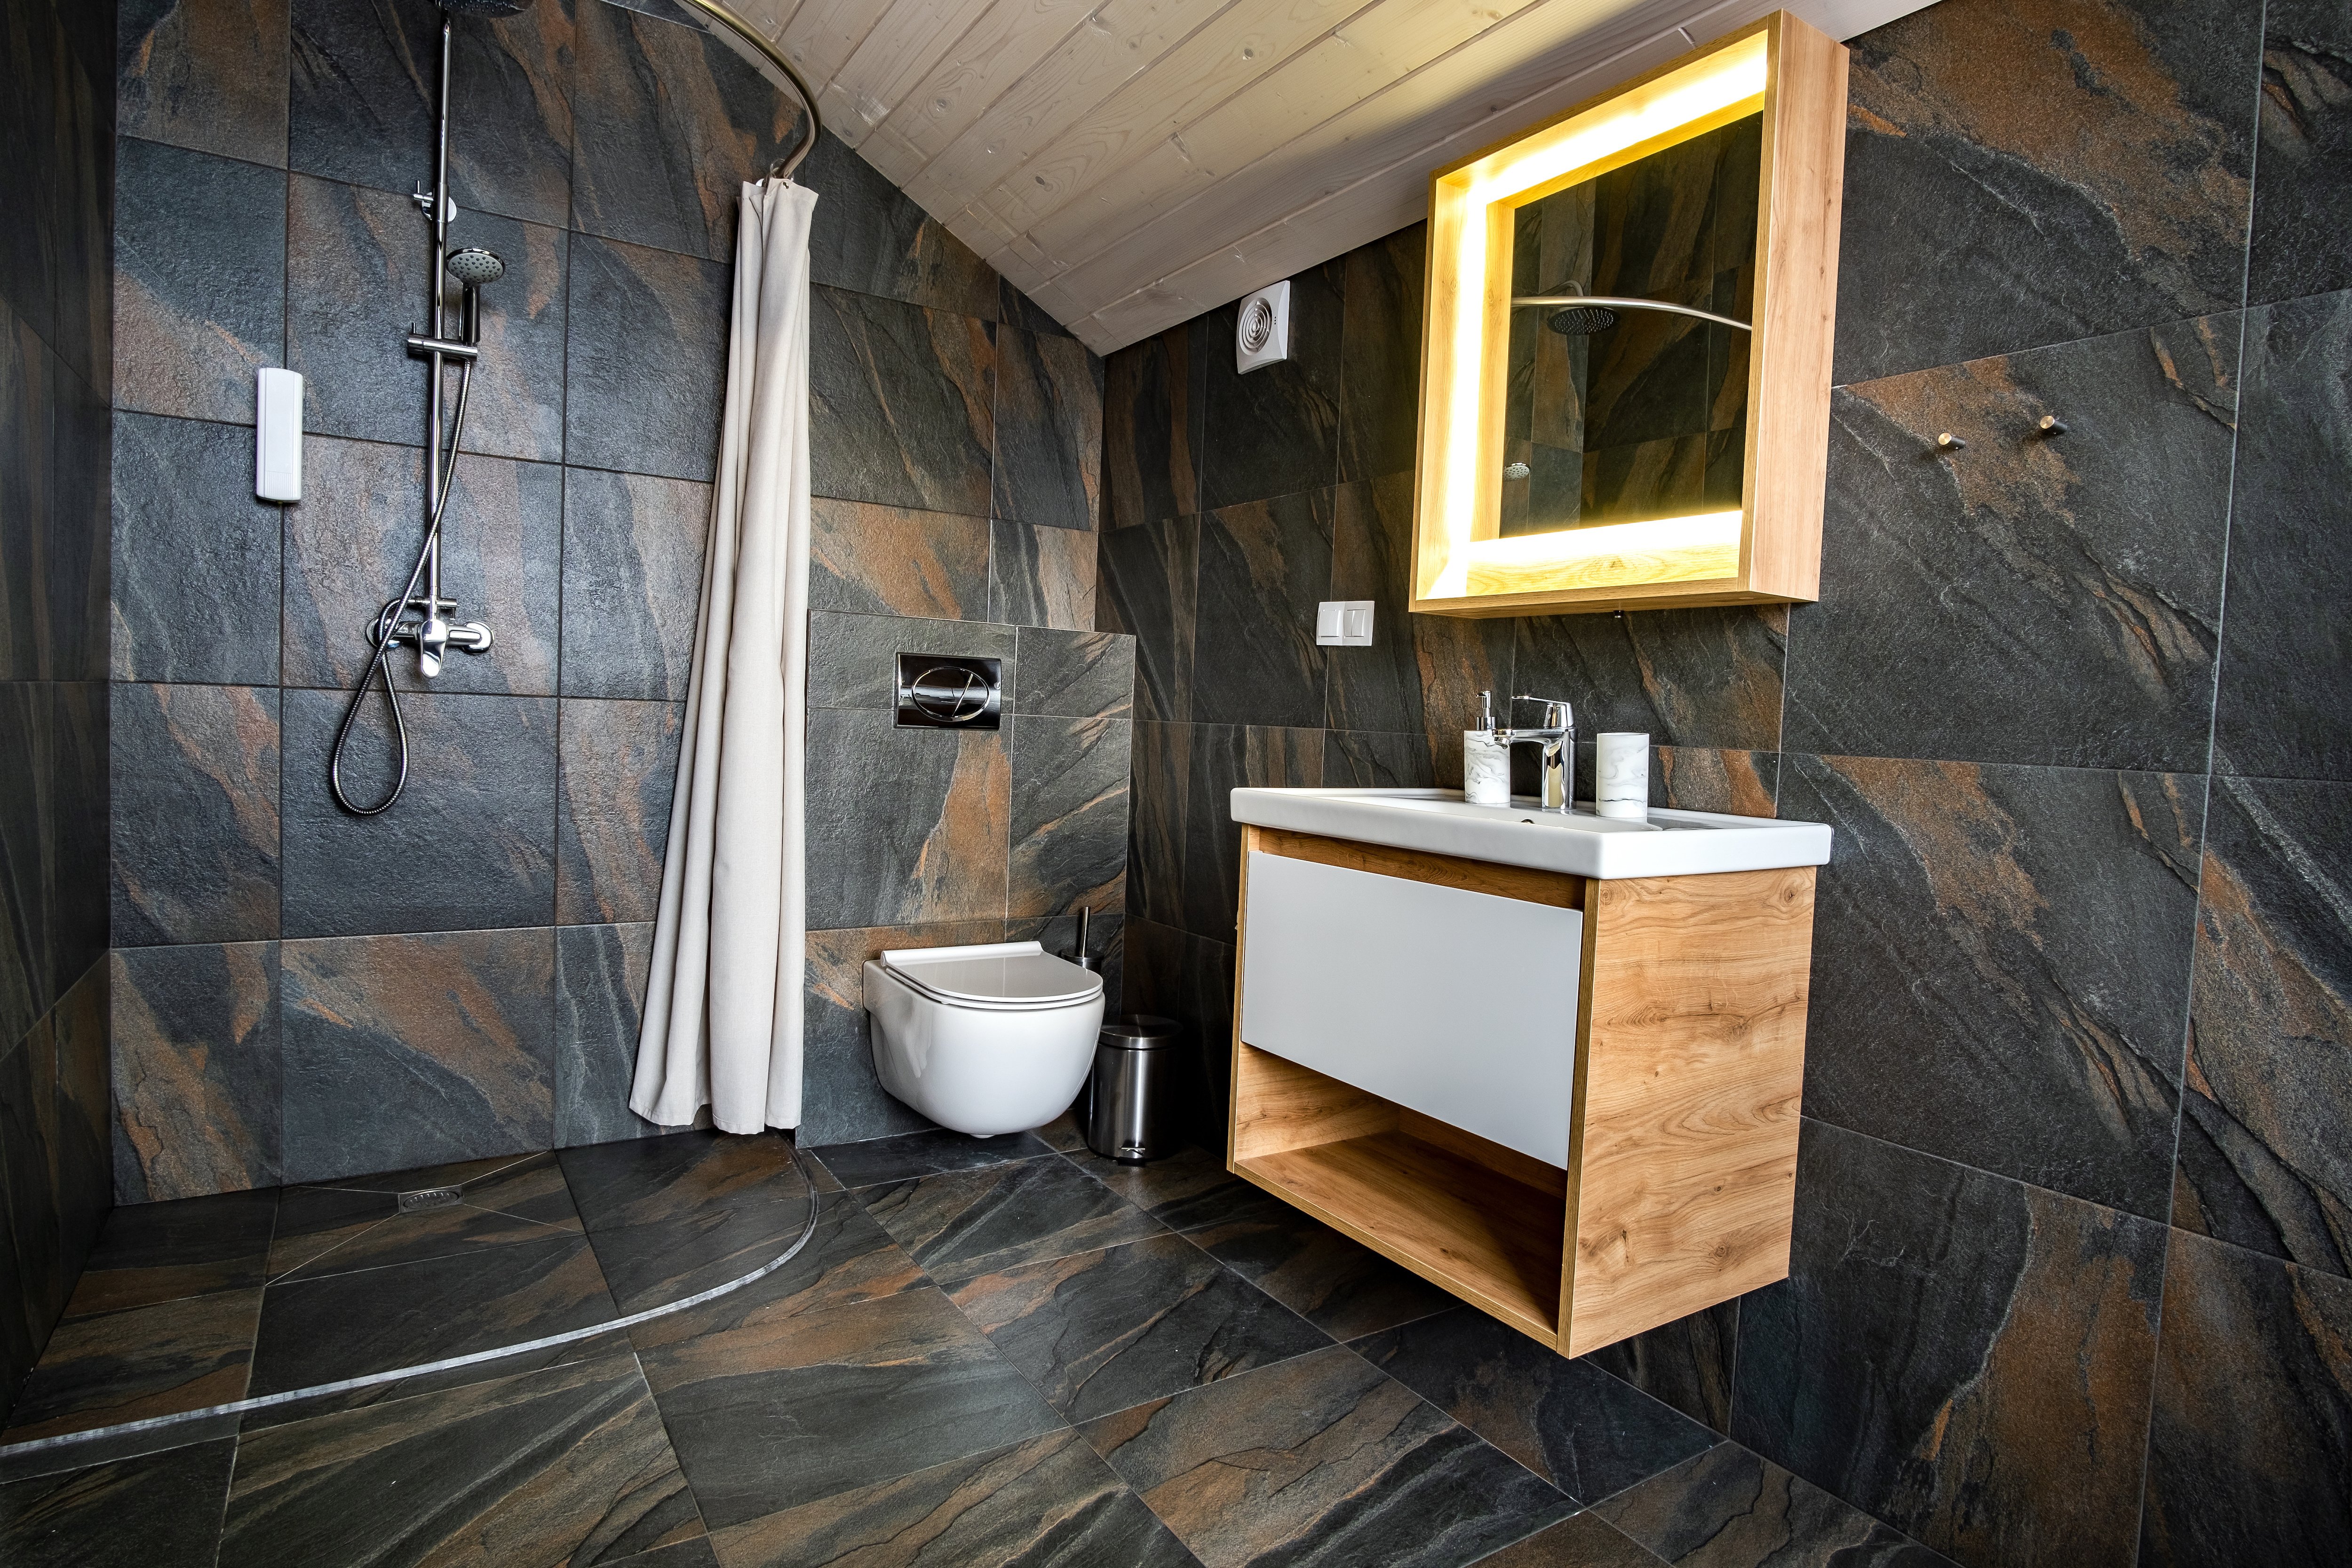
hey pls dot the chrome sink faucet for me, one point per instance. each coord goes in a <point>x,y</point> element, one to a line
<point>1556,736</point>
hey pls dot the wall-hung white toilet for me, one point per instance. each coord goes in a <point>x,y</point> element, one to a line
<point>986,1039</point>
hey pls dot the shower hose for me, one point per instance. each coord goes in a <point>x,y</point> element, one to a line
<point>380,664</point>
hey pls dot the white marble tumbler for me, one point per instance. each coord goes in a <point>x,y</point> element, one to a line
<point>1485,769</point>
<point>1621,780</point>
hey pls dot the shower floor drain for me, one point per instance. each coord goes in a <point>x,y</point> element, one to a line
<point>426,1198</point>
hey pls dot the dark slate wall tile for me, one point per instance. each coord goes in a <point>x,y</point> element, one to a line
<point>891,560</point>
<point>633,559</point>
<point>1153,403</point>
<point>1460,658</point>
<point>2262,1162</point>
<point>1963,1356</point>
<point>601,973</point>
<point>208,77</point>
<point>414,1050</point>
<point>645,366</point>
<point>2251,1439</point>
<point>1686,1364</point>
<point>2098,552</point>
<point>29,1193</point>
<point>361,109</point>
<point>2304,194</point>
<point>77,552</point>
<point>1069,814</point>
<point>1177,975</point>
<point>842,1100</point>
<point>616,764</point>
<point>199,283</point>
<point>902,404</point>
<point>83,1155</point>
<point>1227,756</point>
<point>79,828</point>
<point>2286,650</point>
<point>2001,964</point>
<point>1040,576</point>
<point>1377,688</point>
<point>1049,430</point>
<point>1076,675</point>
<point>1277,429</point>
<point>59,119</point>
<point>196,1071</point>
<point>1379,355</point>
<point>904,825</point>
<point>870,236</point>
<point>1375,759</point>
<point>195,558</point>
<point>27,746</point>
<point>1148,589</point>
<point>358,279</point>
<point>1686,677</point>
<point>195,801</point>
<point>480,796</point>
<point>30,389</point>
<point>1161,774</point>
<point>853,659</point>
<point>1264,568</point>
<point>1955,111</point>
<point>352,542</point>
<point>671,123</point>
<point>1017,309</point>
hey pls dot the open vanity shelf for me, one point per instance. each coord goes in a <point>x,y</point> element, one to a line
<point>1671,1061</point>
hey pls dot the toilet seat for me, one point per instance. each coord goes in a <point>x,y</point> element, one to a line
<point>999,976</point>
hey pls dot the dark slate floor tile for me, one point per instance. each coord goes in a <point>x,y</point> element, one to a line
<point>1586,1432</point>
<point>155,1253</point>
<point>844,1101</point>
<point>892,560</point>
<point>516,1203</point>
<point>853,659</point>
<point>1049,430</point>
<point>1986,111</point>
<point>1148,586</point>
<point>1344,1288</point>
<point>193,555</point>
<point>2001,964</point>
<point>1379,687</point>
<point>870,236</point>
<point>1380,364</point>
<point>1264,565</point>
<point>1101,1331</point>
<point>1686,677</point>
<point>1046,1503</point>
<point>617,762</point>
<point>211,79</point>
<point>645,375</point>
<point>1276,430</point>
<point>1040,576</point>
<point>1582,1540</point>
<point>694,1553</point>
<point>1728,1508</point>
<point>139,1363</point>
<point>1322,1460</point>
<point>360,106</point>
<point>2303,198</point>
<point>653,1265</point>
<point>159,1508</point>
<point>910,1157</point>
<point>196,1069</point>
<point>650,1181</point>
<point>200,280</point>
<point>1951,586</point>
<point>1964,1357</point>
<point>1190,1190</point>
<point>570,1465</point>
<point>1225,756</point>
<point>194,808</point>
<point>1686,1363</point>
<point>2248,1454</point>
<point>480,794</point>
<point>350,549</point>
<point>900,403</point>
<point>633,547</point>
<point>2261,1161</point>
<point>334,1326</point>
<point>455,1028</point>
<point>2281,709</point>
<point>1069,814</point>
<point>904,825</point>
<point>1154,400</point>
<point>601,973</point>
<point>1371,759</point>
<point>963,1223</point>
<point>794,1410</point>
<point>1077,675</point>
<point>671,123</point>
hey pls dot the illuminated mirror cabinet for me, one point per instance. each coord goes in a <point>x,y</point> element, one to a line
<point>1625,378</point>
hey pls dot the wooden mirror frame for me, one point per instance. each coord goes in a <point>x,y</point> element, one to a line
<point>1770,550</point>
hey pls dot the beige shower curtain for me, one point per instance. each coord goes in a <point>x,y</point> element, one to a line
<point>722,1017</point>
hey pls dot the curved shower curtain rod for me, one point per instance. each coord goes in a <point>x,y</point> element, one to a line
<point>783,169</point>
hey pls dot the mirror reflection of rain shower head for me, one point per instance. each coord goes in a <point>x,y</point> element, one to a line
<point>1583,320</point>
<point>484,7</point>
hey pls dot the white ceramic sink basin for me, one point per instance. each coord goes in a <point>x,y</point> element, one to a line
<point>1671,843</point>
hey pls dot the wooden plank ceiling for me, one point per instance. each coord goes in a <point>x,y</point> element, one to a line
<point>1130,164</point>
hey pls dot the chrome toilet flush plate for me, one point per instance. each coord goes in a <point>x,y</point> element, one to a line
<point>950,691</point>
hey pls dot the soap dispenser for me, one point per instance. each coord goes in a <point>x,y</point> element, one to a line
<point>1485,760</point>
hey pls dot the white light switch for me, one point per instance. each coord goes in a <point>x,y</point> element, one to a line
<point>1344,623</point>
<point>278,435</point>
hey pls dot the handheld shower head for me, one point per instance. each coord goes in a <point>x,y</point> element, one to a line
<point>474,267</point>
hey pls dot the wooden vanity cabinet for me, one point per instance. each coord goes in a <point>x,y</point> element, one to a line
<point>1688,1064</point>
